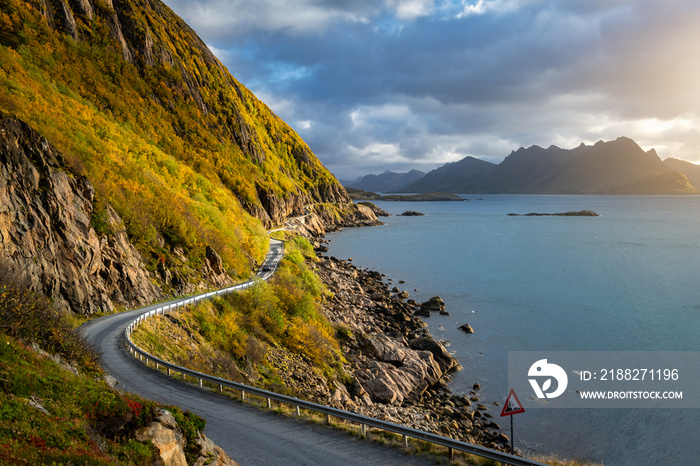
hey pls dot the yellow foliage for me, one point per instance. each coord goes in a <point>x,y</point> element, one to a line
<point>314,340</point>
<point>284,312</point>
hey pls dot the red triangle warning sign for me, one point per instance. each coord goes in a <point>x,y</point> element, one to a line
<point>513,405</point>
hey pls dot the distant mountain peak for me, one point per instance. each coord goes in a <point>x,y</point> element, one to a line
<point>387,182</point>
<point>612,167</point>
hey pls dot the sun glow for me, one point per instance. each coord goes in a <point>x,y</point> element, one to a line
<point>657,126</point>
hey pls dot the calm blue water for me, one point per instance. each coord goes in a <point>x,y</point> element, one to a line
<point>627,280</point>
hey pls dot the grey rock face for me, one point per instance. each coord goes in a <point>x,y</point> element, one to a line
<point>46,232</point>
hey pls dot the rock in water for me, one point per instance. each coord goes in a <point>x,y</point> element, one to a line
<point>434,304</point>
<point>379,212</point>
<point>466,328</point>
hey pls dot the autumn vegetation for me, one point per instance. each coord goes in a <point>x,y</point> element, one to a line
<point>178,147</point>
<point>55,407</point>
<point>234,333</point>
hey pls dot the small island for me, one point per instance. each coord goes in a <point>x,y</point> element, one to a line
<point>580,213</point>
<point>360,195</point>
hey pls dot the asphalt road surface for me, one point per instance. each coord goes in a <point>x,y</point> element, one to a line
<point>251,436</point>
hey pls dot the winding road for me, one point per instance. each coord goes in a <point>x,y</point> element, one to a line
<point>249,435</point>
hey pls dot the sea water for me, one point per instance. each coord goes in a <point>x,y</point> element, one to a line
<point>628,279</point>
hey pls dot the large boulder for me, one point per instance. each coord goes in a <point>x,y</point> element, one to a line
<point>398,370</point>
<point>447,362</point>
<point>211,454</point>
<point>163,432</point>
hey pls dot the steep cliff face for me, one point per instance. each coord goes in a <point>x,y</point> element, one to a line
<point>46,232</point>
<point>274,210</point>
<point>152,38</point>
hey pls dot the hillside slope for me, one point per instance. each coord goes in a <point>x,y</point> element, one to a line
<point>690,170</point>
<point>189,160</point>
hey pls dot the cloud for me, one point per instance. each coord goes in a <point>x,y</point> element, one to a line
<point>404,84</point>
<point>225,19</point>
<point>407,10</point>
<point>482,7</point>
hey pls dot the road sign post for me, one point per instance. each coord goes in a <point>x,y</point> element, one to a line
<point>512,406</point>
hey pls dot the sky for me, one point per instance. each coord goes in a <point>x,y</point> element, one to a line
<point>375,85</point>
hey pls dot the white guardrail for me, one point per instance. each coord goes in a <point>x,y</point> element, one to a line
<point>363,421</point>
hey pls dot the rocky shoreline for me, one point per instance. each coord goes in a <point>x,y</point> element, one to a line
<point>401,373</point>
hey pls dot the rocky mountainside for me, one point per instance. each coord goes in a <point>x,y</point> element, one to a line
<point>79,254</point>
<point>47,235</point>
<point>148,168</point>
<point>614,167</point>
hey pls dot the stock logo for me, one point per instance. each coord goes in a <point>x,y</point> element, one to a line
<point>547,372</point>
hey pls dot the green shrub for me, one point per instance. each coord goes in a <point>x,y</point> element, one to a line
<point>33,318</point>
<point>115,415</point>
<point>191,425</point>
<point>82,420</point>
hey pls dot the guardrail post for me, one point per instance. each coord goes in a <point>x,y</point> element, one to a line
<point>242,395</point>
<point>269,403</point>
<point>451,453</point>
<point>297,410</point>
<point>168,371</point>
<point>200,383</point>
<point>405,441</point>
<point>221,388</point>
<point>328,419</point>
<point>364,430</point>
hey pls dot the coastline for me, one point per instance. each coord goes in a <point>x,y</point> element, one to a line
<point>400,372</point>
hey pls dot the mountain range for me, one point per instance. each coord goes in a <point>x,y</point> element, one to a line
<point>386,182</point>
<point>613,167</point>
